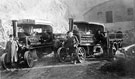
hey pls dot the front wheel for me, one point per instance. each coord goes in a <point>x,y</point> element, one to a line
<point>3,61</point>
<point>61,54</point>
<point>81,54</point>
<point>29,61</point>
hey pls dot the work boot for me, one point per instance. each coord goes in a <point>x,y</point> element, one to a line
<point>74,61</point>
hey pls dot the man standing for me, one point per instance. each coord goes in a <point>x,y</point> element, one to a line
<point>11,50</point>
<point>71,44</point>
<point>8,50</point>
<point>14,50</point>
<point>76,32</point>
<point>99,37</point>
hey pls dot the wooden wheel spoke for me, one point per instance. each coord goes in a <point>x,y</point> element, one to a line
<point>81,54</point>
<point>29,59</point>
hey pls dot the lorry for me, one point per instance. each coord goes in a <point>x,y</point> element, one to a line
<point>30,43</point>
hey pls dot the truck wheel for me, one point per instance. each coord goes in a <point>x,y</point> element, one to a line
<point>61,54</point>
<point>81,54</point>
<point>29,61</point>
<point>3,61</point>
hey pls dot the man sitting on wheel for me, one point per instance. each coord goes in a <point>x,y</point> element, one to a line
<point>45,37</point>
<point>98,51</point>
<point>71,43</point>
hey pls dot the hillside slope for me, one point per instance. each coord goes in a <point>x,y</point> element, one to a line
<point>56,11</point>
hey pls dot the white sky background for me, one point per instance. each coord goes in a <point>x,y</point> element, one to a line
<point>56,11</point>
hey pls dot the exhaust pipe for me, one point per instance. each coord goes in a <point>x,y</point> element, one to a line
<point>70,24</point>
<point>15,30</point>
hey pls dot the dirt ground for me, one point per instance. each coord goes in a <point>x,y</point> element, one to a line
<point>49,68</point>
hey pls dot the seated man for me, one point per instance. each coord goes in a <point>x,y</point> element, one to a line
<point>71,43</point>
<point>98,51</point>
<point>50,36</point>
<point>44,36</point>
<point>89,32</point>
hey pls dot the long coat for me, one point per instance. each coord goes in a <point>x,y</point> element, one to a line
<point>11,50</point>
<point>14,49</point>
<point>8,51</point>
<point>77,34</point>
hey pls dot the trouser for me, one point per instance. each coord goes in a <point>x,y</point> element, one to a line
<point>73,53</point>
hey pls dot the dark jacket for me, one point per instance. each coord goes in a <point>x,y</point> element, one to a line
<point>77,34</point>
<point>8,51</point>
<point>71,41</point>
<point>47,36</point>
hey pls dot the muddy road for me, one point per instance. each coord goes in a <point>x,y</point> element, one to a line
<point>50,68</point>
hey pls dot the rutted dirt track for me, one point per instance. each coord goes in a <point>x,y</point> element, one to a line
<point>65,71</point>
<point>49,68</point>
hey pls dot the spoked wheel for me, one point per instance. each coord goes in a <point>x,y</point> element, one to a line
<point>81,54</point>
<point>61,54</point>
<point>28,59</point>
<point>3,61</point>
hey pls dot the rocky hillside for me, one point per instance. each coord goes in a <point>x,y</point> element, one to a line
<point>56,11</point>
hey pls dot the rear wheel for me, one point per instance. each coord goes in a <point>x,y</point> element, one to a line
<point>61,54</point>
<point>29,61</point>
<point>3,61</point>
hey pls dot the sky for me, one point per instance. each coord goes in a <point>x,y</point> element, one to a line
<point>56,11</point>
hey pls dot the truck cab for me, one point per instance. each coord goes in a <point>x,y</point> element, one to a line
<point>88,31</point>
<point>31,31</point>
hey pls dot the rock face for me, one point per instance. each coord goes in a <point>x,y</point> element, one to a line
<point>52,10</point>
<point>56,11</point>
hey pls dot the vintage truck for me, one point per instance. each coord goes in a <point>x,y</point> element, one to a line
<point>29,33</point>
<point>88,31</point>
<point>88,40</point>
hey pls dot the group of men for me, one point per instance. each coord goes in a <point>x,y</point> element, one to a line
<point>11,50</point>
<point>74,38</point>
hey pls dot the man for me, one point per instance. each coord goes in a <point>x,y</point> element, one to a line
<point>98,51</point>
<point>120,54</point>
<point>76,32</point>
<point>89,32</point>
<point>99,37</point>
<point>11,50</point>
<point>14,50</point>
<point>71,40</point>
<point>44,37</point>
<point>8,50</point>
<point>50,35</point>
<point>71,44</point>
